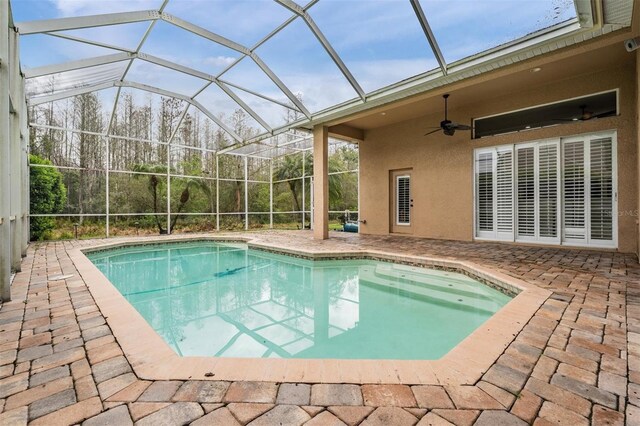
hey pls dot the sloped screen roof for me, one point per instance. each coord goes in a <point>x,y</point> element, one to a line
<point>280,62</point>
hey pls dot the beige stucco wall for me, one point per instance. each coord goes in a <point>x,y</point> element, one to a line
<point>638,145</point>
<point>443,166</point>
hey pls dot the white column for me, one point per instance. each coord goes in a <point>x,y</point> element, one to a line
<point>15,147</point>
<point>24,166</point>
<point>107,167</point>
<point>5,157</point>
<point>168,189</point>
<point>271,193</point>
<point>217,194</point>
<point>320,182</point>
<point>24,140</point>
<point>303,182</point>
<point>246,194</point>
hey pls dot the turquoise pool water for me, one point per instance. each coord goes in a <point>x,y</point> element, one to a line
<point>221,299</point>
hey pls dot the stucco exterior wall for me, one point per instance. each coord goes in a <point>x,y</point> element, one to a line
<point>442,166</point>
<point>637,81</point>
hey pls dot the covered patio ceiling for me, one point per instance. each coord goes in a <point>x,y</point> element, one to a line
<point>470,93</point>
<point>315,61</point>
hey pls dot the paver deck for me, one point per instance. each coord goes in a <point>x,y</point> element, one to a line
<point>577,361</point>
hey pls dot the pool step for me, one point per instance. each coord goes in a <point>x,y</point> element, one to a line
<point>440,281</point>
<point>433,294</point>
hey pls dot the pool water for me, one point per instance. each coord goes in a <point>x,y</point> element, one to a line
<point>222,299</point>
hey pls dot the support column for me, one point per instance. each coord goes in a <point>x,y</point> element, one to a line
<point>16,169</point>
<point>246,193</point>
<point>303,185</point>
<point>320,182</point>
<point>271,193</point>
<point>168,189</point>
<point>25,187</point>
<point>107,194</point>
<point>24,166</point>
<point>5,157</point>
<point>217,194</point>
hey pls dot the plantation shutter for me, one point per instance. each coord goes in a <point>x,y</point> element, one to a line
<point>601,189</point>
<point>526,199</point>
<point>504,193</point>
<point>484,194</point>
<point>559,191</point>
<point>573,186</point>
<point>404,200</point>
<point>548,160</point>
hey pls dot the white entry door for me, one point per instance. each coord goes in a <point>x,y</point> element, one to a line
<point>401,208</point>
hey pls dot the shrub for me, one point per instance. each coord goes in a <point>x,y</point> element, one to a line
<point>48,196</point>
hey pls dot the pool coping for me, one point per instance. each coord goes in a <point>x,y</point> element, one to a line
<point>153,359</point>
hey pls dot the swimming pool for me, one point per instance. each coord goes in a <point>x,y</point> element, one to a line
<point>225,300</point>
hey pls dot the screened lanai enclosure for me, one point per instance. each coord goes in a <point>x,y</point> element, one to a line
<point>166,116</point>
<point>195,181</point>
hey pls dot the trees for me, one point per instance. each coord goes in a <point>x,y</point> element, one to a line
<point>47,196</point>
<point>289,169</point>
<point>156,176</point>
<point>140,160</point>
<point>87,115</point>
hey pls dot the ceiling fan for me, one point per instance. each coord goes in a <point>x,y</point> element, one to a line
<point>447,126</point>
<point>586,115</point>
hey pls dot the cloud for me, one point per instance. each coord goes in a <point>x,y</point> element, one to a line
<point>219,61</point>
<point>380,41</point>
<point>377,22</point>
<point>93,7</point>
<point>375,74</point>
<point>164,78</point>
<point>243,21</point>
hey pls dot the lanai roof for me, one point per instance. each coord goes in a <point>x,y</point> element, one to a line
<point>287,65</point>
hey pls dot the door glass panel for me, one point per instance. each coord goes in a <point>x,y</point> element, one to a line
<point>601,189</point>
<point>504,195</point>
<point>548,190</point>
<point>484,190</point>
<point>404,200</point>
<point>574,191</point>
<point>526,192</point>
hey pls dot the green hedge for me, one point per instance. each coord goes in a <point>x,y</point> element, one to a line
<point>48,196</point>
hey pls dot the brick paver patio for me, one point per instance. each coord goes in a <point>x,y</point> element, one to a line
<point>577,361</point>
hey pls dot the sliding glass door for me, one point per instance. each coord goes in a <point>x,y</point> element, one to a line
<point>554,191</point>
<point>588,201</point>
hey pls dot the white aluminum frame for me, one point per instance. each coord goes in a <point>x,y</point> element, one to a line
<point>560,35</point>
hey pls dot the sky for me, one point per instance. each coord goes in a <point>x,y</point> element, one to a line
<point>380,41</point>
